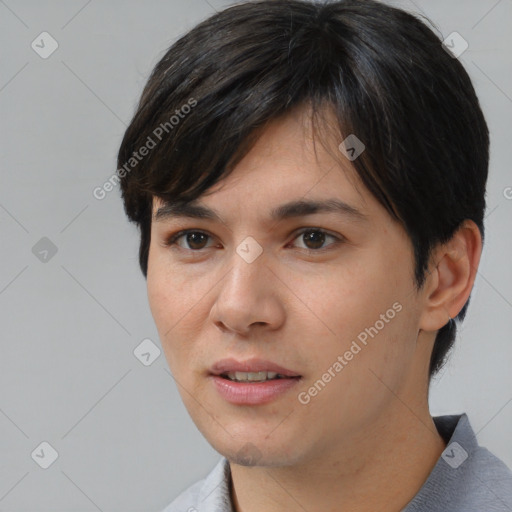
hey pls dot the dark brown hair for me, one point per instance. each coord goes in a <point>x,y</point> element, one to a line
<point>382,71</point>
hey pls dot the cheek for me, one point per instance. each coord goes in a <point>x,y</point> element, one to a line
<point>178,303</point>
<point>364,307</point>
<point>169,291</point>
<point>160,296</point>
<point>164,303</point>
<point>350,298</point>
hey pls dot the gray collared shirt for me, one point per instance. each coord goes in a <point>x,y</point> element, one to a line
<point>466,478</point>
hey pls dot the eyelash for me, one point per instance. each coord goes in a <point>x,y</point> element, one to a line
<point>171,240</point>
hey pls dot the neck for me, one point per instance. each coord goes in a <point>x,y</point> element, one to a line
<point>382,468</point>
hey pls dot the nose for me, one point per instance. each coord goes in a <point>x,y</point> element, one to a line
<point>248,298</point>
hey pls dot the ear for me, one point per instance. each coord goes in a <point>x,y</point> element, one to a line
<point>451,278</point>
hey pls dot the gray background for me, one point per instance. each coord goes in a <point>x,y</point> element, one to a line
<point>70,323</point>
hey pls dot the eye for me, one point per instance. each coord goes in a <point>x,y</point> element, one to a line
<point>314,238</point>
<point>193,240</point>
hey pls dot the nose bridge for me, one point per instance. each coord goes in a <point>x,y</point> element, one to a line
<point>245,295</point>
<point>247,271</point>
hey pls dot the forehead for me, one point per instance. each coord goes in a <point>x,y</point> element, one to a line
<point>293,168</point>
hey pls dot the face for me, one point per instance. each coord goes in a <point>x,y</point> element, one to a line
<point>323,297</point>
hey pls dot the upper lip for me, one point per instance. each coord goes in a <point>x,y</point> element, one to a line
<point>250,365</point>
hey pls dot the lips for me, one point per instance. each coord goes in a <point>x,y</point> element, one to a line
<point>230,366</point>
<point>252,382</point>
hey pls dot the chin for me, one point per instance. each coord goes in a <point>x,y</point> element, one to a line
<point>256,450</point>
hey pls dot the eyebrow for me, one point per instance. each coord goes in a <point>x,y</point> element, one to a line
<point>298,208</point>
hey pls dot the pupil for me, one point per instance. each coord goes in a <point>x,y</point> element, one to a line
<point>317,238</point>
<point>194,238</point>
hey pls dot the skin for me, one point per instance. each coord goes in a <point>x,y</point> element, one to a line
<point>367,441</point>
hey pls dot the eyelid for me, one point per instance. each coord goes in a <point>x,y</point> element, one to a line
<point>338,238</point>
<point>171,239</point>
<point>300,231</point>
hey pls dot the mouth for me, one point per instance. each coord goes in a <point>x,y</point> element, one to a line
<point>251,370</point>
<point>254,377</point>
<point>252,382</point>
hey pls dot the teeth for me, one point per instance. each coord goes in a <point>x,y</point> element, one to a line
<point>251,376</point>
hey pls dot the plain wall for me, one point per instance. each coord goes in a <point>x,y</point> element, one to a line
<point>70,323</point>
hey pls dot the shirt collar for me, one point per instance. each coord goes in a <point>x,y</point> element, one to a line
<point>215,494</point>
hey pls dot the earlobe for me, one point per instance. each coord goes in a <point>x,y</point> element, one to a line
<point>451,280</point>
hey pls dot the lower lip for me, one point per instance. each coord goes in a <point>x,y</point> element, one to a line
<point>256,393</point>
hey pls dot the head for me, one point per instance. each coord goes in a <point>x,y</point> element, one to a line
<point>352,104</point>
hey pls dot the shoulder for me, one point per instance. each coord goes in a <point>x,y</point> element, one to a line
<point>486,483</point>
<point>482,480</point>
<point>467,476</point>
